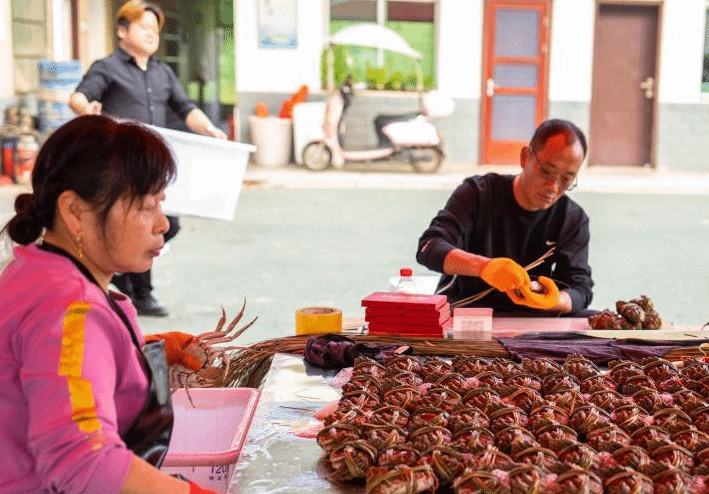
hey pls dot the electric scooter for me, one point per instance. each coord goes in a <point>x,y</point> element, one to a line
<point>411,138</point>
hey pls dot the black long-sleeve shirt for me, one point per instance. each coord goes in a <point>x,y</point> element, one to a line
<point>127,91</point>
<point>482,217</point>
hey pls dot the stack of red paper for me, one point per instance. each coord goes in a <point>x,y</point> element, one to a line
<point>407,314</point>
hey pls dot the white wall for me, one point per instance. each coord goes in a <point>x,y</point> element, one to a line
<point>571,50</point>
<point>682,51</point>
<point>95,40</point>
<point>278,70</point>
<point>460,47</point>
<point>7,88</point>
<point>460,50</point>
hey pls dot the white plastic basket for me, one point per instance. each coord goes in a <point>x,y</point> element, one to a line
<point>209,175</point>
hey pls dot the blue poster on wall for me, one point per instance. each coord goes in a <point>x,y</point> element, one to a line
<point>277,24</point>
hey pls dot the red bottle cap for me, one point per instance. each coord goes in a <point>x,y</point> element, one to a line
<point>405,272</point>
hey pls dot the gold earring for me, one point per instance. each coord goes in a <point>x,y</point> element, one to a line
<point>80,245</point>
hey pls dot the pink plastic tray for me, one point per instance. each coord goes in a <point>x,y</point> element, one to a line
<point>214,432</point>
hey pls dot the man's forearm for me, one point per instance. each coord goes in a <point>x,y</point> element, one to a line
<point>564,306</point>
<point>78,102</point>
<point>464,263</point>
<point>198,122</point>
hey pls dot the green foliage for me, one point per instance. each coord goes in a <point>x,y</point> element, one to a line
<point>227,71</point>
<point>376,77</point>
<point>398,71</point>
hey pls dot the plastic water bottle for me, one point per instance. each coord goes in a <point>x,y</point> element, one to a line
<point>406,282</point>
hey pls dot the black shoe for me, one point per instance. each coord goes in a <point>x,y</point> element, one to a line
<point>148,306</point>
<point>122,282</point>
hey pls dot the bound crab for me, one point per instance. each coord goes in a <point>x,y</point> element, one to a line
<point>215,360</point>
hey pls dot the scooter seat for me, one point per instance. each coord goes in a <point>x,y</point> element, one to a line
<point>380,121</point>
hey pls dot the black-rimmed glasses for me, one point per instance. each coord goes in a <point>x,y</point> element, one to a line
<point>547,175</point>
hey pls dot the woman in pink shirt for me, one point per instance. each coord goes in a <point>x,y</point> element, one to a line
<point>78,403</point>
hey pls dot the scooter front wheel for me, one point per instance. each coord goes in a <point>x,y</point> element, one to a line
<point>317,156</point>
<point>425,160</point>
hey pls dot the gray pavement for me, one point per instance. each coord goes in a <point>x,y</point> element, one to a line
<point>302,238</point>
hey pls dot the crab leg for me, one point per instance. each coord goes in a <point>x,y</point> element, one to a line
<point>215,339</point>
<point>218,332</point>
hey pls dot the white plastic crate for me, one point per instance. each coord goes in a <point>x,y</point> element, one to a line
<point>210,173</point>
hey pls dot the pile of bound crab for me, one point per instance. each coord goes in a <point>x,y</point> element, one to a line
<point>475,426</point>
<point>639,313</point>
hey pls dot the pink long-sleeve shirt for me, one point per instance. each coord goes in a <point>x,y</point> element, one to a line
<point>71,379</point>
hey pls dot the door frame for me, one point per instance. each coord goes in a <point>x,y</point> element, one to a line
<point>655,101</point>
<point>487,46</point>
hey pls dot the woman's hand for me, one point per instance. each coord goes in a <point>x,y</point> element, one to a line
<point>176,343</point>
<point>195,489</point>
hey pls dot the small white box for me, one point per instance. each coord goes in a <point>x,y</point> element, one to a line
<point>472,323</point>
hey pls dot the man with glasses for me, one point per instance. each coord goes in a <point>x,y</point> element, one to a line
<point>132,84</point>
<point>520,238</point>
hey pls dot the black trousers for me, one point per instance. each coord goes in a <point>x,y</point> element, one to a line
<point>138,285</point>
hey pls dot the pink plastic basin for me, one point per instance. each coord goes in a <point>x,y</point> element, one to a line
<point>213,432</point>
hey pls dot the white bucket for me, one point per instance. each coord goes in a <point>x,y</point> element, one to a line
<point>273,138</point>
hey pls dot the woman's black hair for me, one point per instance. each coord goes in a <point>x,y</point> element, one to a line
<point>556,126</point>
<point>100,159</point>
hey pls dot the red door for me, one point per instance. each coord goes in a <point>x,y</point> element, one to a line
<point>514,85</point>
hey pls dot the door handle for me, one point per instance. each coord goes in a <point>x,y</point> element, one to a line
<point>649,86</point>
<point>490,87</point>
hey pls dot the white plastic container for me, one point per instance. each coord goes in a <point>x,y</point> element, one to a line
<point>472,323</point>
<point>210,173</point>
<point>307,126</point>
<point>273,138</point>
<point>207,440</point>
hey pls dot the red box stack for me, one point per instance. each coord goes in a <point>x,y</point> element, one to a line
<point>407,314</point>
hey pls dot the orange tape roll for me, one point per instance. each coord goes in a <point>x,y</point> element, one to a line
<point>318,320</point>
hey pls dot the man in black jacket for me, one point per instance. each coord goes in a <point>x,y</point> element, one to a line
<point>493,225</point>
<point>131,83</point>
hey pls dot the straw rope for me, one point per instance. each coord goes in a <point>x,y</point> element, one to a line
<point>249,365</point>
<point>478,296</point>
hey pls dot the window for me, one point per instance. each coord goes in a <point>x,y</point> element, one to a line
<point>412,20</point>
<point>29,42</point>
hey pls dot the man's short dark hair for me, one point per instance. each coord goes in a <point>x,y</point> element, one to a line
<point>556,126</point>
<point>133,10</point>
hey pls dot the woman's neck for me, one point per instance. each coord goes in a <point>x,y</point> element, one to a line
<point>75,249</point>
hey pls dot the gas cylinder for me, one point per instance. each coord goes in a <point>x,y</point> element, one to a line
<point>25,155</point>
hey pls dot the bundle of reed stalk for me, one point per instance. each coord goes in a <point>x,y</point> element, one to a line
<point>688,353</point>
<point>249,365</point>
<point>478,296</point>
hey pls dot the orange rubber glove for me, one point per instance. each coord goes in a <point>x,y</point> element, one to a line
<point>175,344</point>
<point>504,274</point>
<point>524,295</point>
<point>195,489</point>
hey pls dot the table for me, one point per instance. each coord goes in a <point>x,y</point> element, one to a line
<point>273,459</point>
<point>512,326</point>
